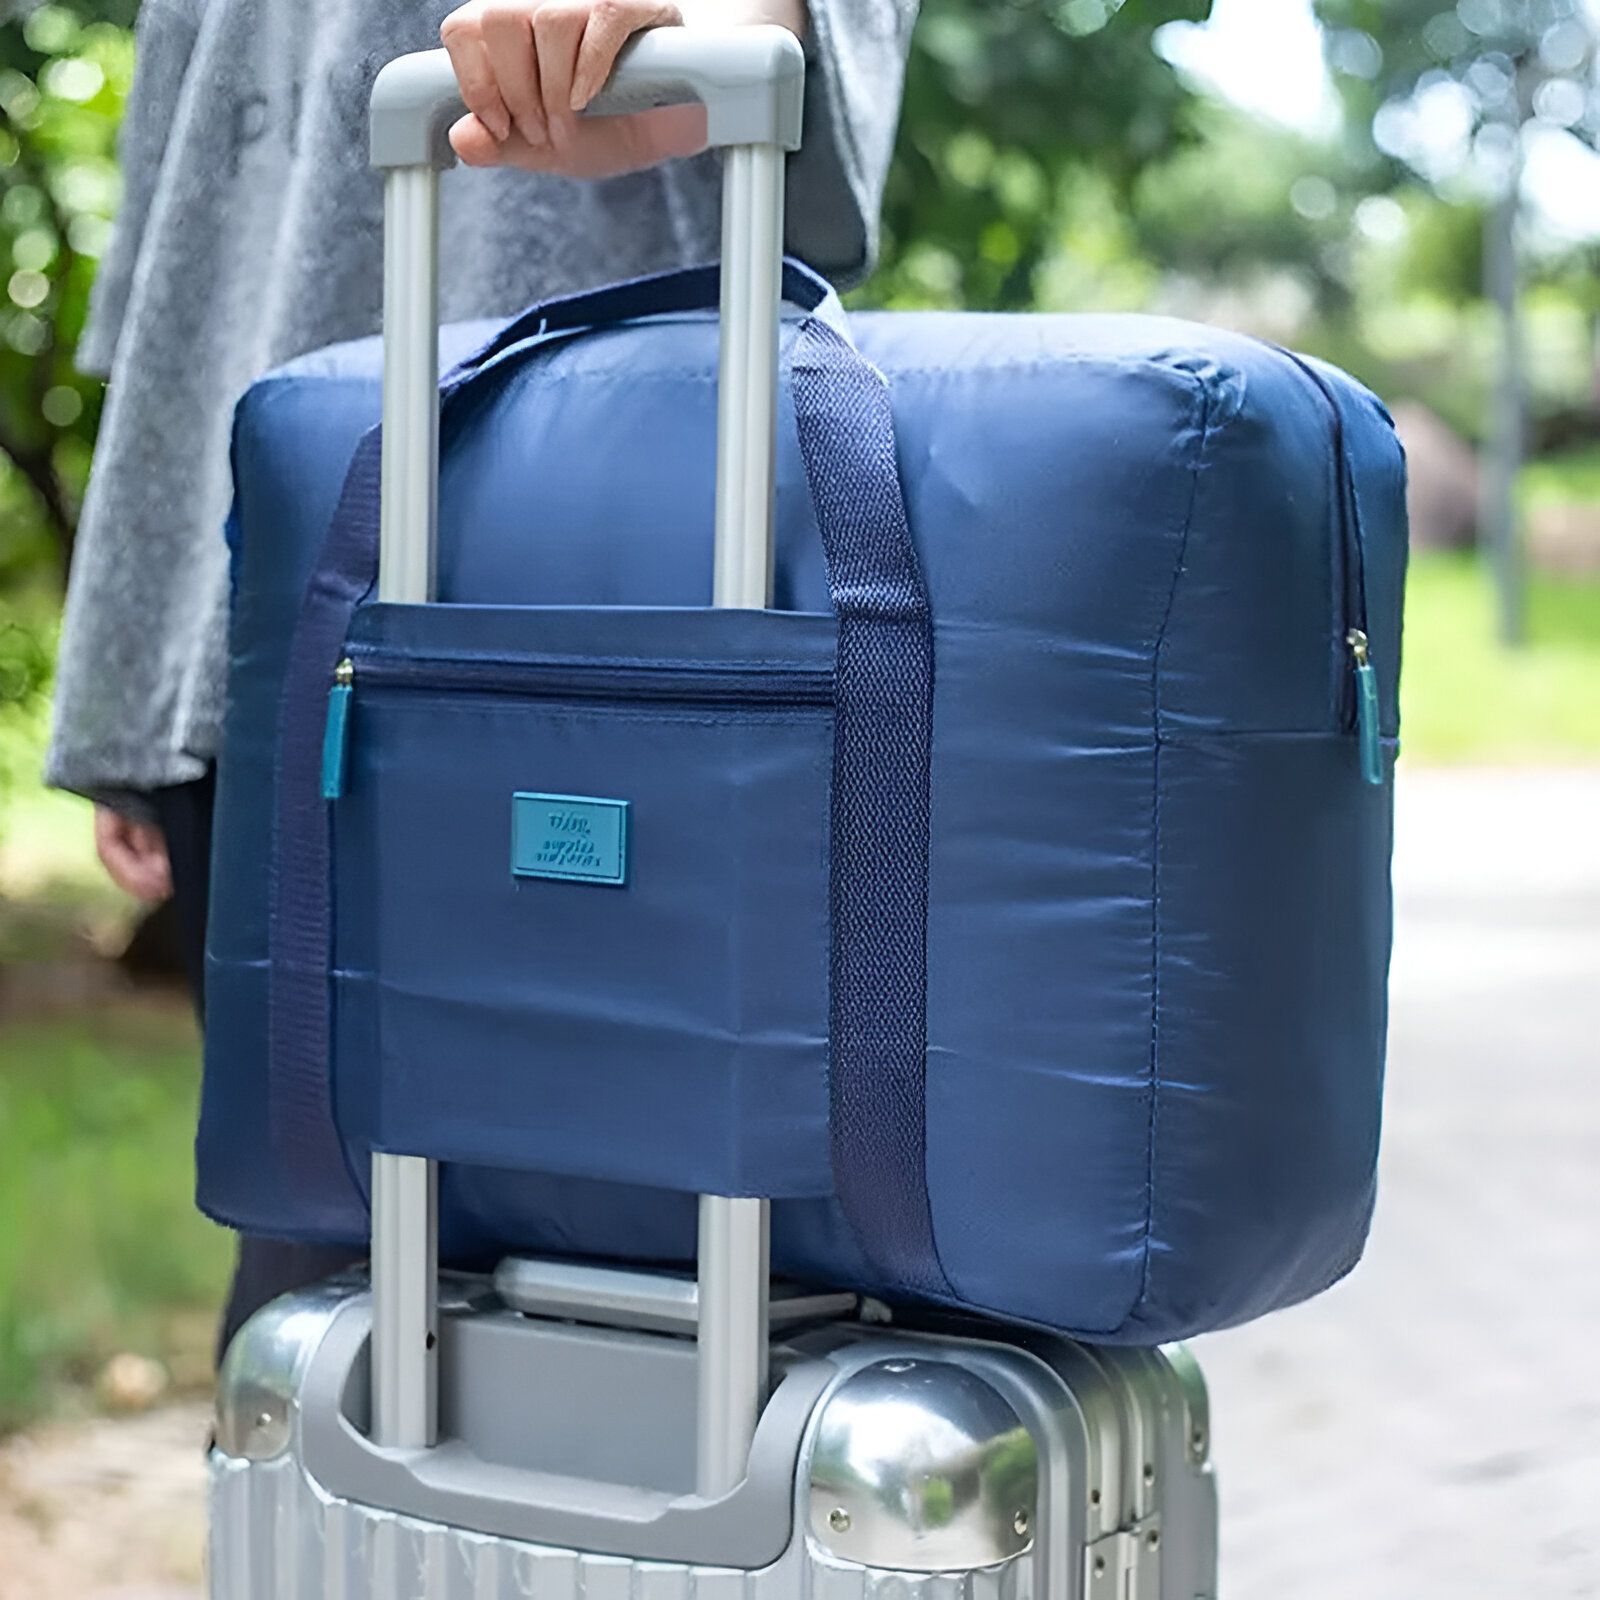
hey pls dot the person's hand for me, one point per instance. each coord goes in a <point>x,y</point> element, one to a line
<point>134,855</point>
<point>528,67</point>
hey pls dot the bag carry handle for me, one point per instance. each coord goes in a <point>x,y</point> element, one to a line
<point>657,294</point>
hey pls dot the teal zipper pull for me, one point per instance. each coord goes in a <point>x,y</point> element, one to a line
<point>1367,729</point>
<point>336,732</point>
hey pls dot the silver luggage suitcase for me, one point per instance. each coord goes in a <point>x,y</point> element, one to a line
<point>572,1432</point>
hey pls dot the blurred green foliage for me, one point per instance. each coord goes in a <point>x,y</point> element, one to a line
<point>1567,479</point>
<point>1488,65</point>
<point>1012,109</point>
<point>64,75</point>
<point>96,1128</point>
<point>1443,102</point>
<point>27,637</point>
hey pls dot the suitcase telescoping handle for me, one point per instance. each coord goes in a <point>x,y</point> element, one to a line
<point>750,80</point>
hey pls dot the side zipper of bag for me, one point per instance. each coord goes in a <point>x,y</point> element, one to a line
<point>1361,704</point>
<point>714,687</point>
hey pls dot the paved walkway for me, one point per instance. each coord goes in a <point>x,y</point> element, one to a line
<point>1431,1428</point>
<point>105,1510</point>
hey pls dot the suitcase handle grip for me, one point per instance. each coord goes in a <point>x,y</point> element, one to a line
<point>751,80</point>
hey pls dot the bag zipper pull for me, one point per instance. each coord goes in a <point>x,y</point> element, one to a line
<point>1367,729</point>
<point>336,732</point>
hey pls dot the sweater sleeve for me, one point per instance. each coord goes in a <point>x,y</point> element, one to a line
<point>856,55</point>
<point>164,44</point>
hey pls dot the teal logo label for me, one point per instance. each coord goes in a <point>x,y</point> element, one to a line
<point>570,837</point>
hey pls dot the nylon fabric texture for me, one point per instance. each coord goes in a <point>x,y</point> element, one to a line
<point>1112,1060</point>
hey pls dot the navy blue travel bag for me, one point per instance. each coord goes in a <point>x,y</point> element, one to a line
<point>1010,904</point>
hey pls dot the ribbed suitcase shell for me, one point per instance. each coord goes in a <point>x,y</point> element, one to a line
<point>1158,926</point>
<point>1124,1506</point>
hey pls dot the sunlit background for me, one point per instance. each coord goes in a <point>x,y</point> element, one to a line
<point>1407,187</point>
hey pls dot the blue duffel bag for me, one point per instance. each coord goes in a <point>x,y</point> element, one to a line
<point>1010,904</point>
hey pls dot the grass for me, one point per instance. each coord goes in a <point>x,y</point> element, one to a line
<point>1572,477</point>
<point>1467,698</point>
<point>101,1250</point>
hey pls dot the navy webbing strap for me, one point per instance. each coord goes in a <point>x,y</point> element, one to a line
<point>878,856</point>
<point>300,1114</point>
<point>879,821</point>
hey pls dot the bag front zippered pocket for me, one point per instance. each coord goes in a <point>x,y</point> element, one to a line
<point>724,686</point>
<point>580,895</point>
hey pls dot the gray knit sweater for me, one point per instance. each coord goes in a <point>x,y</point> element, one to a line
<point>250,231</point>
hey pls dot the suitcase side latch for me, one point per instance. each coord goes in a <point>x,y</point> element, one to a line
<point>1125,1565</point>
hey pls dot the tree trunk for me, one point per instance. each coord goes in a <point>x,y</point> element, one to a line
<point>1594,356</point>
<point>1508,419</point>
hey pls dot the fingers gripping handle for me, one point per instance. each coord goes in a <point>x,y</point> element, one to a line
<point>751,80</point>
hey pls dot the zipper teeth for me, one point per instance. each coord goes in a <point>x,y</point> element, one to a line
<point>588,680</point>
<point>1353,602</point>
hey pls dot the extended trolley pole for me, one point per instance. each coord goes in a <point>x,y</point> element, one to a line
<point>734,1249</point>
<point>750,81</point>
<point>405,1189</point>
